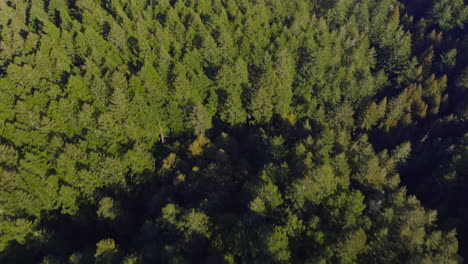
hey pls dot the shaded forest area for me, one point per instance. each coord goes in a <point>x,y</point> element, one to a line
<point>222,131</point>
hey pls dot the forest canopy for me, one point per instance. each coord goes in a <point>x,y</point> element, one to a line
<point>233,131</point>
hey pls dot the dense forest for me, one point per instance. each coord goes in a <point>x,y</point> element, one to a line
<point>233,131</point>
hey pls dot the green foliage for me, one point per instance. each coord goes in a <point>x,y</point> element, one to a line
<point>14,230</point>
<point>352,246</point>
<point>106,251</point>
<point>107,208</point>
<point>373,114</point>
<point>266,195</point>
<point>231,131</point>
<point>196,148</point>
<point>200,119</point>
<point>449,14</point>
<point>277,245</point>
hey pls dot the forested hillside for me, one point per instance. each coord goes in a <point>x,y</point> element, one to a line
<point>233,131</point>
